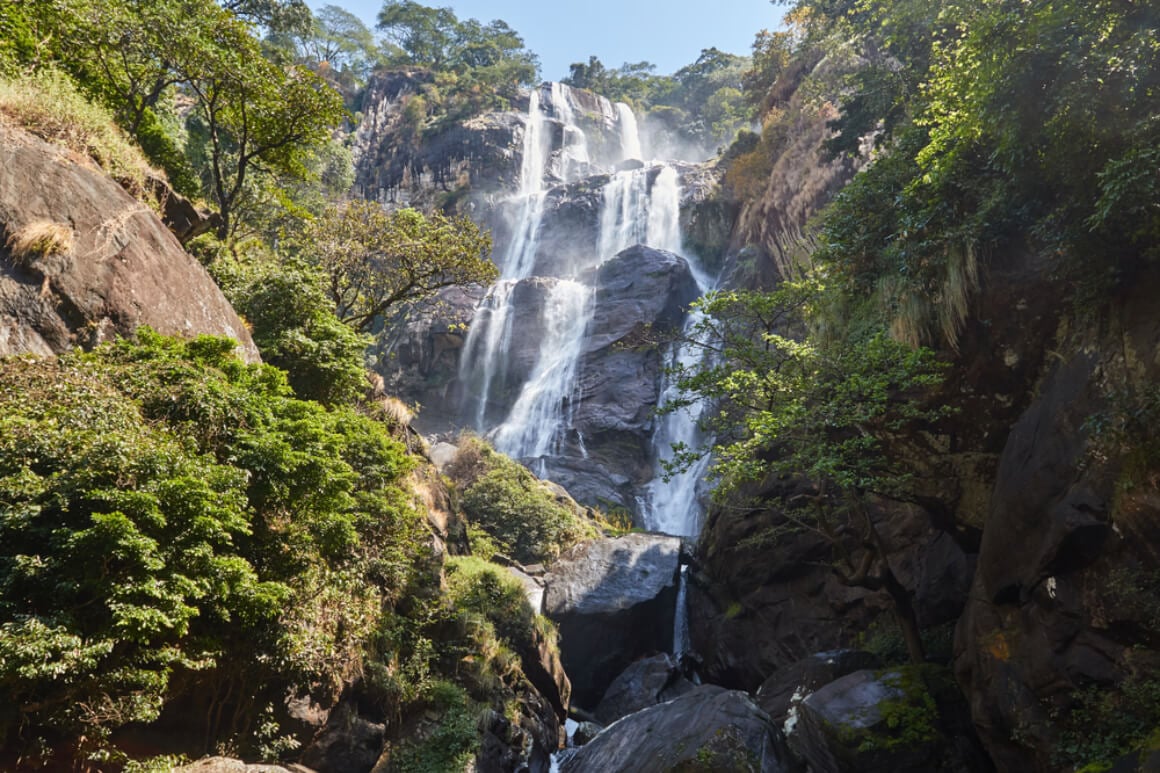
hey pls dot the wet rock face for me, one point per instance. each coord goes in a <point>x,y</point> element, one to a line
<point>613,600</point>
<point>708,729</point>
<point>117,267</point>
<point>641,295</point>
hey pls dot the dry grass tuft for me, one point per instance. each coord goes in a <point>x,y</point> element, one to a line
<point>48,104</point>
<point>40,239</point>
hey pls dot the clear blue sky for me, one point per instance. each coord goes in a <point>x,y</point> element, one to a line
<point>670,34</point>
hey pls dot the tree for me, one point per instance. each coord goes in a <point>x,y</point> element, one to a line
<point>339,41</point>
<point>381,264</point>
<point>256,116</point>
<point>424,35</point>
<point>786,407</point>
<point>183,527</point>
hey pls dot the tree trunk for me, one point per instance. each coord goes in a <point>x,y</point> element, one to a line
<point>904,614</point>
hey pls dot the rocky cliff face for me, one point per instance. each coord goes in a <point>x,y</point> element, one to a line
<point>562,197</point>
<point>102,265</point>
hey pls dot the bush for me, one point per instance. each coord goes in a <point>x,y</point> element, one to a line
<point>166,509</point>
<point>295,328</point>
<point>520,513</point>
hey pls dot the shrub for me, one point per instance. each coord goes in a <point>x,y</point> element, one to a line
<point>167,509</point>
<point>519,512</point>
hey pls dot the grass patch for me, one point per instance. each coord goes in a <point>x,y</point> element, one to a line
<point>48,104</point>
<point>40,239</point>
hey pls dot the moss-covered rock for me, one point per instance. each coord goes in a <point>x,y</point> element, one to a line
<point>905,719</point>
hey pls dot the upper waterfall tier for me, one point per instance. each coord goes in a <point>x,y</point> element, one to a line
<point>562,365</point>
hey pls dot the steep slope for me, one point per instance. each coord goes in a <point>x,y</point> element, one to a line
<point>109,266</point>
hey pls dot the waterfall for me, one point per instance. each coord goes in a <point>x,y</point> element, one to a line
<point>574,159</point>
<point>629,133</point>
<point>633,213</point>
<point>636,206</point>
<point>674,507</point>
<point>489,336</point>
<point>542,413</point>
<point>521,253</point>
<point>681,640</point>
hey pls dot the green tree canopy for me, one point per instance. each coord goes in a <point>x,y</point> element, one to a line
<point>167,510</point>
<point>379,264</point>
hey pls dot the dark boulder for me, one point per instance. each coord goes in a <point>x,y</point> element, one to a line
<point>789,686</point>
<point>347,743</point>
<point>907,720</point>
<point>709,730</point>
<point>766,594</point>
<point>613,600</point>
<point>645,683</point>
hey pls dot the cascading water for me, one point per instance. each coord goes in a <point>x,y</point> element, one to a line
<point>540,414</point>
<point>489,336</point>
<point>681,640</point>
<point>635,213</point>
<point>629,133</point>
<point>637,206</point>
<point>673,506</point>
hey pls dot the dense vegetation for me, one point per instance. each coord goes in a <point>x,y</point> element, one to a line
<point>510,510</point>
<point>169,511</point>
<point>983,131</point>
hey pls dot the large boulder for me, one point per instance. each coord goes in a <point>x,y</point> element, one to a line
<point>908,720</point>
<point>645,683</point>
<point>108,266</point>
<point>709,730</point>
<point>614,601</point>
<point>766,595</point>
<point>780,694</point>
<point>1064,598</point>
<point>419,358</point>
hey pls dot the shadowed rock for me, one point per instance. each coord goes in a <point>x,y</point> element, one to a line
<point>709,729</point>
<point>613,600</point>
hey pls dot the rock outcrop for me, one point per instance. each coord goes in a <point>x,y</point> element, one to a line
<point>1065,594</point>
<point>910,720</point>
<point>709,729</point>
<point>645,683</point>
<point>106,266</point>
<point>613,600</point>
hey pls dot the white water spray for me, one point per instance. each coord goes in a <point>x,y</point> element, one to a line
<point>629,133</point>
<point>542,413</point>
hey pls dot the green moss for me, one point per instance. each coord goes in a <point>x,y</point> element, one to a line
<point>909,721</point>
